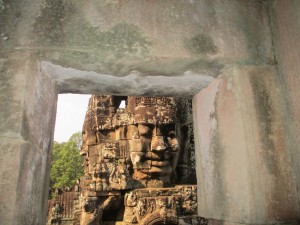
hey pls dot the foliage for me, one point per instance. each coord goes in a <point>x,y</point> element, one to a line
<point>66,163</point>
<point>77,138</point>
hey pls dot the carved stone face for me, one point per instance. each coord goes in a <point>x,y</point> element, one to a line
<point>130,150</point>
<point>143,133</point>
<point>154,150</point>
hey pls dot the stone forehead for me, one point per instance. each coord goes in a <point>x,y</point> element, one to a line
<point>104,112</point>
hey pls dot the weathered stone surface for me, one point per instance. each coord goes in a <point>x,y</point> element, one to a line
<point>32,185</point>
<point>64,207</point>
<point>10,169</point>
<point>220,222</point>
<point>286,33</point>
<point>164,205</point>
<point>26,136</point>
<point>164,38</point>
<point>154,48</point>
<point>25,90</point>
<point>24,168</point>
<point>243,149</point>
<point>192,221</point>
<point>135,83</point>
<point>40,109</point>
<point>14,77</point>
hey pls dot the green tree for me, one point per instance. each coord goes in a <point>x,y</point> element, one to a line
<point>77,138</point>
<point>66,163</point>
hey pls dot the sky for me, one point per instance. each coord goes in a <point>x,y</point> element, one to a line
<point>71,109</point>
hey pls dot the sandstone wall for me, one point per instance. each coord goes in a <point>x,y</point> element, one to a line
<point>28,107</point>
<point>245,166</point>
<point>248,134</point>
<point>174,47</point>
<point>137,41</point>
<point>287,34</point>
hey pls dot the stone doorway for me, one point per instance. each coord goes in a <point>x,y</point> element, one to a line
<point>249,163</point>
<point>41,83</point>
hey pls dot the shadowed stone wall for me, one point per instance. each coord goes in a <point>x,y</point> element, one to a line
<point>287,33</point>
<point>28,107</point>
<point>194,40</point>
<point>244,164</point>
<point>248,136</point>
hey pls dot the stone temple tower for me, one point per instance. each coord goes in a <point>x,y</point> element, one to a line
<point>130,164</point>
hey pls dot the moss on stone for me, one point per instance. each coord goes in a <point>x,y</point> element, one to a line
<point>180,66</point>
<point>2,6</point>
<point>49,26</point>
<point>119,41</point>
<point>200,44</point>
<point>256,38</point>
<point>10,17</point>
<point>68,38</point>
<point>217,151</point>
<point>265,113</point>
<point>124,38</point>
<point>61,24</point>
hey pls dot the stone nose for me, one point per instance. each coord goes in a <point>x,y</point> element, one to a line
<point>158,143</point>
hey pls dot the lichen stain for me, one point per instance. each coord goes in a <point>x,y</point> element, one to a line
<point>2,6</point>
<point>49,25</point>
<point>271,138</point>
<point>264,111</point>
<point>200,44</point>
<point>123,38</point>
<point>61,24</point>
<point>217,150</point>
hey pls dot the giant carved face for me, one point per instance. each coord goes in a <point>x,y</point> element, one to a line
<point>154,149</point>
<point>143,135</point>
<point>153,144</point>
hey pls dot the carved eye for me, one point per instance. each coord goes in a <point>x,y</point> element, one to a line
<point>145,130</point>
<point>169,131</point>
<point>171,134</point>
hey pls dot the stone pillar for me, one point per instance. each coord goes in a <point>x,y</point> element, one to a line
<point>245,166</point>
<point>27,112</point>
<point>286,28</point>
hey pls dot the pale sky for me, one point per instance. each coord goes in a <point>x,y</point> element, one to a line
<point>71,109</point>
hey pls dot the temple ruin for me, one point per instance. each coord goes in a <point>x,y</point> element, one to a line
<point>237,59</point>
<point>138,165</point>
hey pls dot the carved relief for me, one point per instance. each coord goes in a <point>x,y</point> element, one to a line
<point>141,137</point>
<point>165,204</point>
<point>131,157</point>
